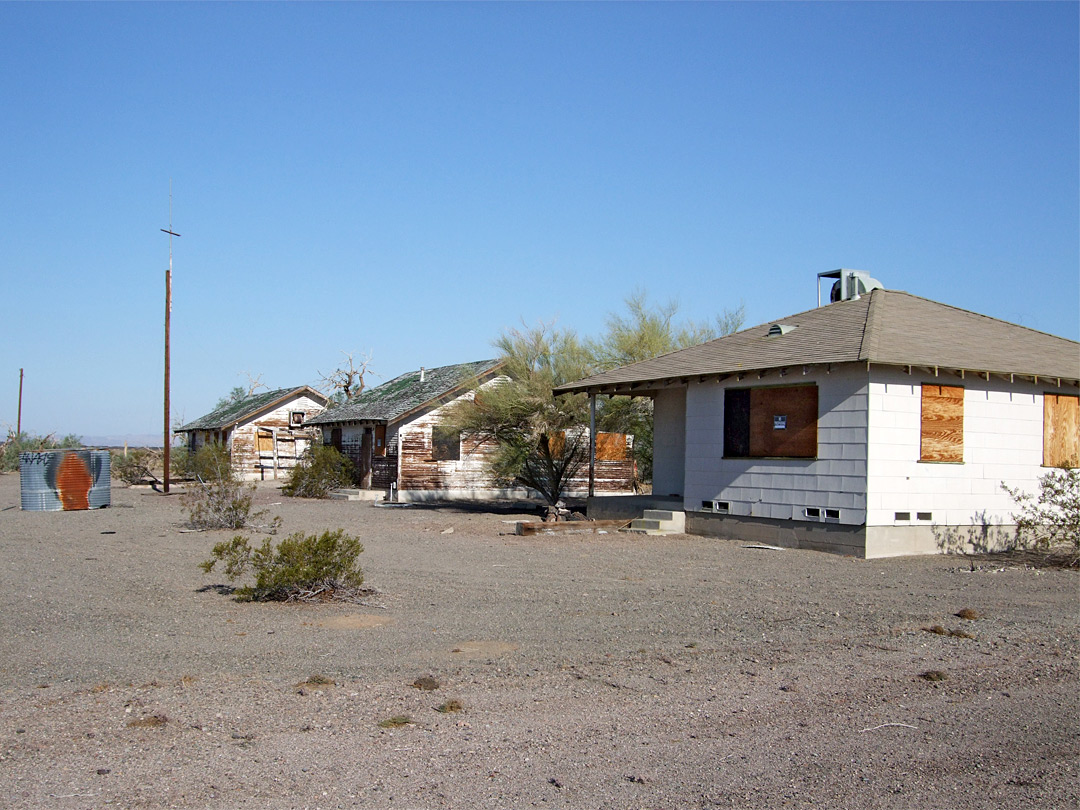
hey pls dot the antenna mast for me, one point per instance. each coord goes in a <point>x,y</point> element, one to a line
<point>168,314</point>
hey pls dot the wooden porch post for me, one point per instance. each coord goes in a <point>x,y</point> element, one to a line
<point>592,445</point>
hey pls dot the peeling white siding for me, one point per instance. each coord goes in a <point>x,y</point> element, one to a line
<point>286,442</point>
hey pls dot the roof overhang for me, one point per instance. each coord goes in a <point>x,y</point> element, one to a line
<point>303,390</point>
<point>650,387</point>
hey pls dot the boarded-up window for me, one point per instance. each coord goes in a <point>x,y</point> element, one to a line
<point>557,444</point>
<point>737,422</point>
<point>445,443</point>
<point>265,441</point>
<point>611,447</point>
<point>778,422</point>
<point>380,440</point>
<point>942,437</point>
<point>1061,430</point>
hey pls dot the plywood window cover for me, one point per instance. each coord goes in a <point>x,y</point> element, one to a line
<point>798,404</point>
<point>264,441</point>
<point>1061,430</point>
<point>611,447</point>
<point>941,437</point>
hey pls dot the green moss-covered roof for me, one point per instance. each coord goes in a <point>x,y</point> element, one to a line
<point>241,409</point>
<point>404,394</point>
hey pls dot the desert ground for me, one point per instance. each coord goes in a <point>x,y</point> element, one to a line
<point>591,671</point>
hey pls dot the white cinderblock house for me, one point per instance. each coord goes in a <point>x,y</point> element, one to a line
<point>881,424</point>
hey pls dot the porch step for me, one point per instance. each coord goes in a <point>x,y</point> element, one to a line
<point>659,521</point>
<point>358,495</point>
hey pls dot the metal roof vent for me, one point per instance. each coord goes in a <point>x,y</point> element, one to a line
<point>850,285</point>
<point>778,329</point>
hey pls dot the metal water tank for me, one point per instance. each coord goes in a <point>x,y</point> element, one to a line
<point>65,480</point>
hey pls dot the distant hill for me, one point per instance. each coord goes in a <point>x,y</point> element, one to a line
<point>131,439</point>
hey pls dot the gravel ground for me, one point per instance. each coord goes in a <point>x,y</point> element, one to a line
<point>593,671</point>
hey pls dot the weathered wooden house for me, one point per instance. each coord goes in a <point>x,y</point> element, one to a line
<point>880,424</point>
<point>265,433</point>
<point>395,436</point>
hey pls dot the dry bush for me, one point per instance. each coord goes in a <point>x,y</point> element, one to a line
<point>217,498</point>
<point>1051,519</point>
<point>300,568</point>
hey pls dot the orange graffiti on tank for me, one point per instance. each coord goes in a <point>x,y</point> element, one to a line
<point>73,482</point>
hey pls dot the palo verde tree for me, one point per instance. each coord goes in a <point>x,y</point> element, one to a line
<point>543,440</point>
<point>646,331</point>
<point>240,392</point>
<point>539,439</point>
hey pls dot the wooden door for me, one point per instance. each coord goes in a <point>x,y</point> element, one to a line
<point>365,459</point>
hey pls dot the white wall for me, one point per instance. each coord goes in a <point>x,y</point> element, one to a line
<point>669,442</point>
<point>1003,435</point>
<point>782,488</point>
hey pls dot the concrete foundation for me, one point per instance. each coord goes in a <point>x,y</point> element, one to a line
<point>870,542</point>
<point>834,538</point>
<point>628,507</point>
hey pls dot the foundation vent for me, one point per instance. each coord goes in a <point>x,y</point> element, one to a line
<point>821,515</point>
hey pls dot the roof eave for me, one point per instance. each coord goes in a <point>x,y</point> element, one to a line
<point>649,386</point>
<point>232,423</point>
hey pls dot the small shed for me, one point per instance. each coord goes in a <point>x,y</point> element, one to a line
<point>265,433</point>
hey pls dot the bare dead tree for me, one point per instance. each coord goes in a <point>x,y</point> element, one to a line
<point>254,383</point>
<point>347,380</point>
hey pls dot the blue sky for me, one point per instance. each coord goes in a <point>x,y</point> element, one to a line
<point>410,180</point>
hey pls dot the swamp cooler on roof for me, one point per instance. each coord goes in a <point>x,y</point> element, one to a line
<point>65,480</point>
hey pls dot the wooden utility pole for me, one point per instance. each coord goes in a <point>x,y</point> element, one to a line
<point>18,423</point>
<point>168,315</point>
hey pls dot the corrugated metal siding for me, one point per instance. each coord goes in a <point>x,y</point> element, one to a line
<point>65,480</point>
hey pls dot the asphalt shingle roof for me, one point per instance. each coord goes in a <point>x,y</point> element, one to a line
<point>404,394</point>
<point>884,326</point>
<point>234,412</point>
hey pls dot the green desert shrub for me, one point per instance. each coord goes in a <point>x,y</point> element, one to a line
<point>180,460</point>
<point>300,568</point>
<point>136,466</point>
<point>208,462</point>
<point>320,470</point>
<point>29,443</point>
